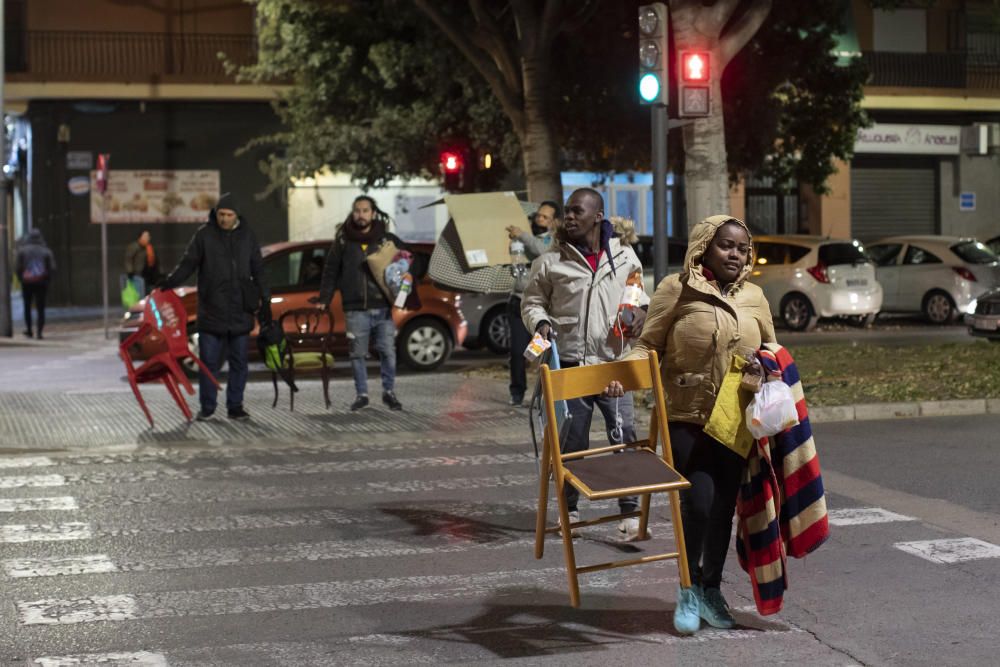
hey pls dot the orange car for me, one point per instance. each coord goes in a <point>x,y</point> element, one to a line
<point>293,269</point>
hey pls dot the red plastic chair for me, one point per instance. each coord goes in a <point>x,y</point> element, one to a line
<point>164,324</point>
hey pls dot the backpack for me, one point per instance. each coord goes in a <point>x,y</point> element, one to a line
<point>272,346</point>
<point>35,271</point>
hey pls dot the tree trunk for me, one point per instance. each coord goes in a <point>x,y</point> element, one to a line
<point>539,153</point>
<point>706,174</point>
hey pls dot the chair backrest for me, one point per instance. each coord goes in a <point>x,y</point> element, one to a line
<point>569,383</point>
<point>307,327</point>
<point>165,311</point>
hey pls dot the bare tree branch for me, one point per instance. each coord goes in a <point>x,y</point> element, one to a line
<point>721,12</point>
<point>491,35</point>
<point>526,21</point>
<point>731,43</point>
<point>510,99</point>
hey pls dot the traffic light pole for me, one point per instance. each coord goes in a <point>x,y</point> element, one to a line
<point>659,131</point>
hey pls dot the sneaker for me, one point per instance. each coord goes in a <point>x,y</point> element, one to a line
<point>40,335</point>
<point>715,609</point>
<point>517,401</point>
<point>389,398</point>
<point>205,415</point>
<point>359,402</point>
<point>28,333</point>
<point>239,414</point>
<point>628,530</point>
<point>574,516</point>
<point>687,619</point>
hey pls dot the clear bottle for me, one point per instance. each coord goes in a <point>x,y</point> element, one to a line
<point>518,260</point>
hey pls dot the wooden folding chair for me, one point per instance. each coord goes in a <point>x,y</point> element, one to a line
<point>628,469</point>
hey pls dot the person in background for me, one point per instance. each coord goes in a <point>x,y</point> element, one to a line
<point>698,319</point>
<point>34,265</point>
<point>140,260</point>
<point>231,288</point>
<point>575,292</point>
<point>535,242</point>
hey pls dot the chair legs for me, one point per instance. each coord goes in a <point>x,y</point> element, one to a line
<point>175,391</point>
<point>326,385</point>
<point>644,517</point>
<point>567,537</point>
<point>142,401</point>
<point>541,516</point>
<point>291,394</point>
<point>274,381</point>
<point>682,561</point>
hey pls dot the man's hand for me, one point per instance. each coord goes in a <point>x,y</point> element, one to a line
<point>614,389</point>
<point>315,301</point>
<point>634,330</point>
<point>545,329</point>
<point>513,231</point>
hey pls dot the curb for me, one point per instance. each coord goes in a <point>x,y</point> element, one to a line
<point>870,411</point>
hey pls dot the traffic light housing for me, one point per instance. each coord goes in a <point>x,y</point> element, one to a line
<point>694,87</point>
<point>654,54</point>
<point>453,170</point>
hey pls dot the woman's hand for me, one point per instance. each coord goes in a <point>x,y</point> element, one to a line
<point>614,389</point>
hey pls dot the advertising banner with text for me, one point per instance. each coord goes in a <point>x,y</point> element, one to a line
<point>154,196</point>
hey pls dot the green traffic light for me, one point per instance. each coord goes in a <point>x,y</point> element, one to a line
<point>649,87</point>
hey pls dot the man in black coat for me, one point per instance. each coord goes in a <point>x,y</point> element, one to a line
<point>367,310</point>
<point>231,289</point>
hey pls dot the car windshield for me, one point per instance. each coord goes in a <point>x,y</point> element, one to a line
<point>832,254</point>
<point>974,252</point>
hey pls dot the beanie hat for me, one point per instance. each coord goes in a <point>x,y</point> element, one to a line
<point>227,200</point>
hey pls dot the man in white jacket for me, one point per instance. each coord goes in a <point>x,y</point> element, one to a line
<point>573,295</point>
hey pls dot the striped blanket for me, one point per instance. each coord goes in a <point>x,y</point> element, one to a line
<point>781,509</point>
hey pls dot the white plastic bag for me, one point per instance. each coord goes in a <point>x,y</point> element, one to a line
<point>772,410</point>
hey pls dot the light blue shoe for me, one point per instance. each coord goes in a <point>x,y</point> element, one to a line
<point>715,609</point>
<point>687,618</point>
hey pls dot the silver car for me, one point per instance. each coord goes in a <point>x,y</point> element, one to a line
<point>487,318</point>
<point>984,321</point>
<point>939,276</point>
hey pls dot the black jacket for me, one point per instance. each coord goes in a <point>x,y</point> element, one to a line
<point>33,248</point>
<point>231,285</point>
<point>346,269</point>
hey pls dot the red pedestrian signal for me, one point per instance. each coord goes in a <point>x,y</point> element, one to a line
<point>694,67</point>
<point>451,163</point>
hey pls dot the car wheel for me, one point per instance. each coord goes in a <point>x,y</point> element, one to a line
<point>797,312</point>
<point>495,331</point>
<point>189,365</point>
<point>939,308</point>
<point>424,344</point>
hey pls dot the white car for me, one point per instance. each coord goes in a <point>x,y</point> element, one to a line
<point>939,276</point>
<point>808,277</point>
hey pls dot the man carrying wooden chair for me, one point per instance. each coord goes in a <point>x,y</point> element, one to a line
<point>573,294</point>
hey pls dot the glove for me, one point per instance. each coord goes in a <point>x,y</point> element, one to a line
<point>264,314</point>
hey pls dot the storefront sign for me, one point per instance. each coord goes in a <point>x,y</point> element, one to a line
<point>79,160</point>
<point>967,201</point>
<point>909,139</point>
<point>79,185</point>
<point>155,196</point>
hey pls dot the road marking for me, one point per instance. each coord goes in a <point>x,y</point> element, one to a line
<point>20,481</point>
<point>20,568</point>
<point>38,504</point>
<point>26,462</point>
<point>56,532</point>
<point>322,595</point>
<point>946,552</point>
<point>138,659</point>
<point>854,516</point>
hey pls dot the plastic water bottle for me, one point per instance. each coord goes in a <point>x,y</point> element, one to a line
<point>518,260</point>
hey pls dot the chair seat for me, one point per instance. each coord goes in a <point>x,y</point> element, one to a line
<point>631,468</point>
<point>311,360</point>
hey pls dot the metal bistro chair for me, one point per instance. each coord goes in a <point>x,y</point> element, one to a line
<point>308,333</point>
<point>628,469</point>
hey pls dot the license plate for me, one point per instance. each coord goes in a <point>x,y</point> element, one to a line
<point>857,282</point>
<point>988,323</point>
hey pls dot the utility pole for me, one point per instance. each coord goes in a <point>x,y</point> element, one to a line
<point>6,316</point>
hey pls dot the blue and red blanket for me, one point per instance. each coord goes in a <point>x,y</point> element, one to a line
<point>781,510</point>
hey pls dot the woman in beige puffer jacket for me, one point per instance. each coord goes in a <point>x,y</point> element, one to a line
<point>698,320</point>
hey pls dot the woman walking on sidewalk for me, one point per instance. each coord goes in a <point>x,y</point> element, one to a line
<point>698,320</point>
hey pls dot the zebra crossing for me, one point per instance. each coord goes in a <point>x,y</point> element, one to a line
<point>181,546</point>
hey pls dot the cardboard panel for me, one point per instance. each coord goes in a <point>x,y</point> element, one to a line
<point>481,220</point>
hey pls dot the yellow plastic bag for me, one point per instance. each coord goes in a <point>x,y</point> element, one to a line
<point>727,423</point>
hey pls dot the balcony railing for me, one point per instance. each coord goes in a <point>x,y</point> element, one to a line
<point>960,69</point>
<point>49,55</point>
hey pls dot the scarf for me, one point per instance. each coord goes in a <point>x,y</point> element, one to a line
<point>375,232</point>
<point>150,255</point>
<point>607,232</point>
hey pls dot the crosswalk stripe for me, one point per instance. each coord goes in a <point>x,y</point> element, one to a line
<point>16,533</point>
<point>278,469</point>
<point>19,481</point>
<point>248,556</point>
<point>322,595</point>
<point>853,516</point>
<point>38,504</point>
<point>25,462</point>
<point>949,551</point>
<point>136,659</point>
<point>52,566</point>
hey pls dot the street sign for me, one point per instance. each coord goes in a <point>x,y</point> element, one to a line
<point>967,201</point>
<point>80,160</point>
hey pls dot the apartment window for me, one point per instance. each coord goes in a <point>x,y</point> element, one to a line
<point>901,30</point>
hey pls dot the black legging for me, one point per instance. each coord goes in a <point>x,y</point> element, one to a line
<point>707,508</point>
<point>34,292</point>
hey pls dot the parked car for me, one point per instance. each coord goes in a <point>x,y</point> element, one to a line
<point>676,249</point>
<point>294,269</point>
<point>994,245</point>
<point>984,321</point>
<point>939,276</point>
<point>808,277</point>
<point>487,318</point>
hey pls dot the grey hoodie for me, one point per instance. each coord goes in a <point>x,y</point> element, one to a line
<point>32,248</point>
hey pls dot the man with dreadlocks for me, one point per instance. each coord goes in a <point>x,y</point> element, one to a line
<point>367,310</point>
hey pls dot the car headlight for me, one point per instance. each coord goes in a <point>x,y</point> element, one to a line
<point>971,308</point>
